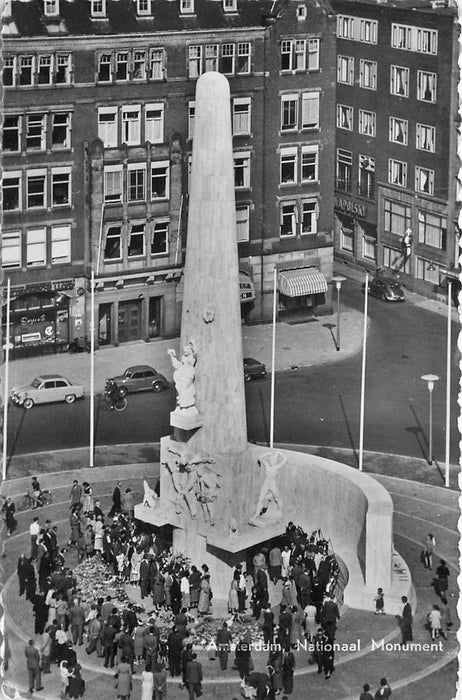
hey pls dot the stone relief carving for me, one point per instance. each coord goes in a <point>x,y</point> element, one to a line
<point>269,504</point>
<point>150,497</point>
<point>184,376</point>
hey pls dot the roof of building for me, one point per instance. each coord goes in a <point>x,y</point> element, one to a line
<point>436,7</point>
<point>28,18</point>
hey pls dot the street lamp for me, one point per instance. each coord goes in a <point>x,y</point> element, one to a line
<point>450,278</point>
<point>430,379</point>
<point>338,279</point>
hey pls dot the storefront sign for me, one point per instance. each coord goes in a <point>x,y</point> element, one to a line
<point>350,207</point>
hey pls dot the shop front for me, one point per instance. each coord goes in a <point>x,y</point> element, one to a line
<point>302,291</point>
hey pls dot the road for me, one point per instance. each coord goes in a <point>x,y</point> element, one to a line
<point>317,405</point>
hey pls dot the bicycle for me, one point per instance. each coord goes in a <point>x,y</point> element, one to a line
<point>119,404</point>
<point>27,502</point>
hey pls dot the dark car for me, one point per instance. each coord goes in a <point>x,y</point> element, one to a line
<point>385,288</point>
<point>253,369</point>
<point>140,378</point>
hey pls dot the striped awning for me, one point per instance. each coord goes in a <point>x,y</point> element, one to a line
<point>301,281</point>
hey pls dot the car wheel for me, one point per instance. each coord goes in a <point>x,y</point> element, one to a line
<point>70,398</point>
<point>28,403</point>
<point>123,391</point>
<point>157,386</point>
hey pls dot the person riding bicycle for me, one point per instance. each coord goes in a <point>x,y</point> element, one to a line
<point>112,391</point>
<point>35,492</point>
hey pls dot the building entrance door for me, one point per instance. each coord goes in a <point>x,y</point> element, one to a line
<point>129,321</point>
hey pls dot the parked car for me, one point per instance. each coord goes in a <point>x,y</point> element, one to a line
<point>47,388</point>
<point>253,369</point>
<point>140,378</point>
<point>385,288</point>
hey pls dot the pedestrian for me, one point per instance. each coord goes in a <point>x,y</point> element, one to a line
<point>75,494</point>
<point>195,586</point>
<point>310,622</point>
<point>384,691</point>
<point>30,580</point>
<point>97,512</point>
<point>45,650</point>
<point>186,657</point>
<point>242,658</point>
<point>328,658</point>
<point>203,607</point>
<point>224,639</point>
<point>21,570</point>
<point>268,626</point>
<point>405,621</point>
<point>144,577</point>
<point>109,646</point>
<point>127,504</point>
<point>434,618</point>
<point>138,642</point>
<point>194,677</point>
<point>77,622</point>
<point>9,510</point>
<point>34,531</point>
<point>288,668</point>
<point>158,591</point>
<point>184,588</point>
<point>442,574</point>
<point>329,616</point>
<point>33,667</point>
<point>40,609</point>
<point>446,621</point>
<point>275,563</point>
<point>87,498</point>
<point>274,669</point>
<point>160,683</point>
<point>285,626</point>
<point>174,647</point>
<point>379,602</point>
<point>65,674</point>
<point>89,540</point>
<point>365,695</point>
<point>74,522</point>
<point>76,685</point>
<point>285,559</point>
<point>147,683</point>
<point>430,545</point>
<point>116,500</point>
<point>261,682</point>
<point>233,600</point>
<point>124,679</point>
<point>295,629</point>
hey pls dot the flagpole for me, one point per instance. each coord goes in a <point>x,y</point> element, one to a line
<point>273,358</point>
<point>363,376</point>
<point>6,389</point>
<point>92,371</point>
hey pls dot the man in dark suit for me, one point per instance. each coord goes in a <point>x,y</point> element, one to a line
<point>285,626</point>
<point>224,639</point>
<point>405,621</point>
<point>268,626</point>
<point>22,573</point>
<point>109,646</point>
<point>116,500</point>
<point>329,616</point>
<point>194,677</point>
<point>33,667</point>
<point>144,578</point>
<point>304,584</point>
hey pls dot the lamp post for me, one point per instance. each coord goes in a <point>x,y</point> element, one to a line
<point>338,279</point>
<point>450,278</point>
<point>430,379</point>
<point>363,376</point>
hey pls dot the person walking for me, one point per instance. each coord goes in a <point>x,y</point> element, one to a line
<point>160,683</point>
<point>76,685</point>
<point>34,531</point>
<point>33,667</point>
<point>21,570</point>
<point>87,498</point>
<point>127,504</point>
<point>45,651</point>
<point>446,621</point>
<point>434,618</point>
<point>194,677</point>
<point>442,574</point>
<point>379,602</point>
<point>275,564</point>
<point>310,622</point>
<point>384,690</point>
<point>288,668</point>
<point>116,500</point>
<point>405,621</point>
<point>9,510</point>
<point>65,674</point>
<point>147,683</point>
<point>430,545</point>
<point>365,695</point>
<point>268,626</point>
<point>75,494</point>
<point>224,639</point>
<point>124,679</point>
<point>77,622</point>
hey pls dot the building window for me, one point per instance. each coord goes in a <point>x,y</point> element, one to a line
<point>112,183</point>
<point>313,55</point>
<point>424,180</point>
<point>309,163</point>
<point>366,122</point>
<point>286,55</point>
<point>345,27</point>
<point>98,8</point>
<point>113,247</point>
<point>63,68</point>
<point>26,70</point>
<point>288,168</point>
<point>11,249</point>
<point>397,217</point>
<point>427,41</point>
<point>310,110</point>
<point>107,126</point>
<point>230,5</point>
<point>60,244</point>
<point>432,230</point>
<point>194,61</point>
<point>143,7</point>
<point>121,68</point>
<point>299,59</point>
<point>345,117</point>
<point>399,81</point>
<point>242,222</point>
<point>345,69</point>
<point>154,123</point>
<point>159,245</point>
<point>227,58</point>
<point>427,271</point>
<point>243,57</point>
<point>191,114</point>
<point>35,132</point>
<point>242,170</point>
<point>51,8</point>
<point>131,125</point>
<point>9,71</point>
<point>288,219</point>
<point>139,65</point>
<point>241,115</point>
<point>211,57</point>
<point>36,245</point>
<point>398,130</point>
<point>136,182</point>
<point>366,177</point>
<point>397,172</point>
<point>410,38</point>
<point>105,68</point>
<point>426,86</point>
<point>36,189</point>
<point>309,217</point>
<point>11,133</point>
<point>344,169</point>
<point>11,191</point>
<point>157,64</point>
<point>368,247</point>
<point>60,186</point>
<point>347,239</point>
<point>289,112</point>
<point>187,7</point>
<point>61,130</point>
<point>425,137</point>
<point>401,36</point>
<point>159,180</point>
<point>368,74</point>
<point>368,31</point>
<point>136,240</point>
<point>393,260</point>
<point>44,69</point>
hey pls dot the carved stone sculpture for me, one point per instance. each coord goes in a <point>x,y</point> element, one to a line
<point>184,377</point>
<point>269,505</point>
<point>150,497</point>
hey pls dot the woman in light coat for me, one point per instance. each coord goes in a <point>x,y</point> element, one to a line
<point>124,679</point>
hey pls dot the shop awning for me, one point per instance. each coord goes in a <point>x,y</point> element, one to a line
<point>301,281</point>
<point>246,288</point>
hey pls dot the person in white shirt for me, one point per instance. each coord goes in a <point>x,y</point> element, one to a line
<point>34,531</point>
<point>65,675</point>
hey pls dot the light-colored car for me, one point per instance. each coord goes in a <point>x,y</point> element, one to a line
<point>47,388</point>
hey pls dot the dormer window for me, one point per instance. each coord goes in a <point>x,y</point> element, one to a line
<point>51,8</point>
<point>143,8</point>
<point>301,12</point>
<point>230,5</point>
<point>98,9</point>
<point>187,7</point>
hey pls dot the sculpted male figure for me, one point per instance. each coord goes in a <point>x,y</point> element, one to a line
<point>269,493</point>
<point>184,376</point>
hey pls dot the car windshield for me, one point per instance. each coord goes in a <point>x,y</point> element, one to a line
<point>36,383</point>
<point>127,373</point>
